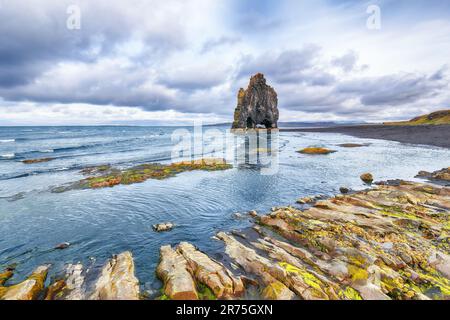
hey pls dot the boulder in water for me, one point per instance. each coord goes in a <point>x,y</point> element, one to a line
<point>367,178</point>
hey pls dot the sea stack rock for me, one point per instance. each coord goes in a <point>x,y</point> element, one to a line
<point>257,106</point>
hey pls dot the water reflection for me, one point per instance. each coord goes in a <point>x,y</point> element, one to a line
<point>257,150</point>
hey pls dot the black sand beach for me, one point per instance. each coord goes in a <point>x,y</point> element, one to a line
<point>434,135</point>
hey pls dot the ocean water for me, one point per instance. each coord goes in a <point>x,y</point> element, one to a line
<point>99,223</point>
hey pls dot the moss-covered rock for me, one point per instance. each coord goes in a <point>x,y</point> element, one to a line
<point>28,289</point>
<point>316,151</point>
<point>108,177</point>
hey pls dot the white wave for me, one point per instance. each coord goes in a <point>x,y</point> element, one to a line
<point>7,140</point>
<point>47,151</point>
<point>8,155</point>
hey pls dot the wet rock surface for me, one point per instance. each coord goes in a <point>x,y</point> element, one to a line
<point>257,106</point>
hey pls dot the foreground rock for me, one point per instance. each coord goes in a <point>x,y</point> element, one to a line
<point>117,280</point>
<point>107,177</point>
<point>389,242</point>
<point>69,288</point>
<point>173,271</point>
<point>257,106</point>
<point>28,289</point>
<point>189,274</point>
<point>215,276</point>
<point>440,175</point>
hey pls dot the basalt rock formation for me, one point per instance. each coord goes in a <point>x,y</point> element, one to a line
<point>257,106</point>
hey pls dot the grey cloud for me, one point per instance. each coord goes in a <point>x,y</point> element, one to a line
<point>219,42</point>
<point>302,98</point>
<point>256,17</point>
<point>292,66</point>
<point>393,90</point>
<point>35,37</point>
<point>195,77</point>
<point>346,62</point>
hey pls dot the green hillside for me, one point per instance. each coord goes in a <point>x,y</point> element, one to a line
<point>435,118</point>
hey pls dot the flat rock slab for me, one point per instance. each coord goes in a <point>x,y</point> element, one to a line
<point>117,280</point>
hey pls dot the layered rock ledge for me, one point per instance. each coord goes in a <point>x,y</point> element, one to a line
<point>189,274</point>
<point>389,242</point>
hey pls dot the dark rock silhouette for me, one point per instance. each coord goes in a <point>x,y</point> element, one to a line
<point>257,106</point>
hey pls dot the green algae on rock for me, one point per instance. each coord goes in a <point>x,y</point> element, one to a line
<point>107,177</point>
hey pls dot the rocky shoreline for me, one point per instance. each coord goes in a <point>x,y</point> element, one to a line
<point>390,241</point>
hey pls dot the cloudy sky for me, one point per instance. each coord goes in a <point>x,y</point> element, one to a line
<point>176,61</point>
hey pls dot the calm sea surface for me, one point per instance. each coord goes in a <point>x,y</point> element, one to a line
<point>102,222</point>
